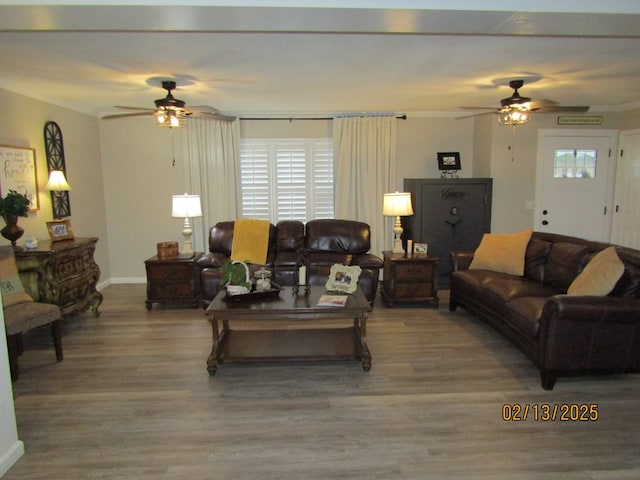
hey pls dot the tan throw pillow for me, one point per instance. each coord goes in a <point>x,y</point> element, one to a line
<point>10,284</point>
<point>600,275</point>
<point>503,252</point>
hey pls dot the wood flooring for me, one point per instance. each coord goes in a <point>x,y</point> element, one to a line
<point>133,400</point>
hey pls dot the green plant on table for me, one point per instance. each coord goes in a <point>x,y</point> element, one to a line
<point>235,273</point>
<point>14,204</point>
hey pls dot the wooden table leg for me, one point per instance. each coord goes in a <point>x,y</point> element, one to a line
<point>365,355</point>
<point>212,361</point>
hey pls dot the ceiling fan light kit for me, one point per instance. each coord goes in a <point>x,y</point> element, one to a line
<point>514,116</point>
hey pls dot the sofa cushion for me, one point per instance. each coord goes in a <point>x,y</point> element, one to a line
<point>10,284</point>
<point>502,252</point>
<point>290,236</point>
<point>629,283</point>
<point>512,287</point>
<point>339,236</point>
<point>535,259</point>
<point>564,264</point>
<point>600,275</point>
<point>525,313</point>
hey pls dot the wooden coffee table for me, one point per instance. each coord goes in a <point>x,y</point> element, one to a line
<point>303,338</point>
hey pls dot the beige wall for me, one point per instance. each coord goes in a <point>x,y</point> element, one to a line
<point>123,176</point>
<point>22,125</point>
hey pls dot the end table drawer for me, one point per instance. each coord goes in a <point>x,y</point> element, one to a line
<point>414,290</point>
<point>413,270</point>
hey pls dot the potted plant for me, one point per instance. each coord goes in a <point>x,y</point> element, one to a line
<point>235,277</point>
<point>12,206</point>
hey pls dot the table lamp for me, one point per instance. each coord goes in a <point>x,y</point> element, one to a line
<point>397,205</point>
<point>186,206</point>
<point>59,188</point>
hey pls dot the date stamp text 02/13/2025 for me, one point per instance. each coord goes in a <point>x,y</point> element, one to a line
<point>550,412</point>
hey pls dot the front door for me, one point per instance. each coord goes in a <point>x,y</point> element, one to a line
<point>626,206</point>
<point>573,187</point>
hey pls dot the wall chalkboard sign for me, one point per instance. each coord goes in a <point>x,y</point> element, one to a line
<point>18,172</point>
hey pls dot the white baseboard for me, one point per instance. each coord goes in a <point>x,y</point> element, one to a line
<point>128,280</point>
<point>11,456</point>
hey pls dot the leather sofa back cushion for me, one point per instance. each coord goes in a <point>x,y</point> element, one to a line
<point>535,259</point>
<point>290,235</point>
<point>565,262</point>
<point>339,236</point>
<point>221,238</point>
<point>629,284</point>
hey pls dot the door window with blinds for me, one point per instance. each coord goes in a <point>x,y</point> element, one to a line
<point>287,179</point>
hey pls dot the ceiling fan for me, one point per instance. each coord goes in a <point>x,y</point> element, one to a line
<point>171,111</point>
<point>516,109</point>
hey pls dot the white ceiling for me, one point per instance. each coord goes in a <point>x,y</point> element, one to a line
<point>293,58</point>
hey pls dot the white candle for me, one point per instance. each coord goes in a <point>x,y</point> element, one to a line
<point>302,275</point>
<point>409,248</point>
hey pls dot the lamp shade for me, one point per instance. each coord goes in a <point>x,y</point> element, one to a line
<point>57,182</point>
<point>186,206</point>
<point>397,204</point>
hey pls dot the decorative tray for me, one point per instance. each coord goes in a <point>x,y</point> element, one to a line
<point>255,295</point>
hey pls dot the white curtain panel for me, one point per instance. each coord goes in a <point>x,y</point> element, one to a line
<point>364,149</point>
<point>213,166</point>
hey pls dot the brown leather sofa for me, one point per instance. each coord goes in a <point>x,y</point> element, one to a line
<point>321,242</point>
<point>564,335</point>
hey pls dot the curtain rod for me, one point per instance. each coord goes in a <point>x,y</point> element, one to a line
<point>399,117</point>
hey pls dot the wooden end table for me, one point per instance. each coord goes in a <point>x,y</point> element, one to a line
<point>311,342</point>
<point>410,279</point>
<point>173,280</point>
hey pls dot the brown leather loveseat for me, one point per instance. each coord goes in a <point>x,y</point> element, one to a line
<point>562,334</point>
<point>321,242</point>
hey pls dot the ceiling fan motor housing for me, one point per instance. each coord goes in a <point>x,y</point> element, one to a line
<point>169,102</point>
<point>515,99</point>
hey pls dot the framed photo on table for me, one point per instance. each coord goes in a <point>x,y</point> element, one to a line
<point>60,230</point>
<point>343,278</point>
<point>449,160</point>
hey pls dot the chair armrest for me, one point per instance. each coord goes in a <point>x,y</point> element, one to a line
<point>460,260</point>
<point>368,260</point>
<point>212,260</point>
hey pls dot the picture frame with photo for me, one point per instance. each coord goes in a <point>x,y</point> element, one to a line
<point>449,161</point>
<point>343,278</point>
<point>420,249</point>
<point>60,230</point>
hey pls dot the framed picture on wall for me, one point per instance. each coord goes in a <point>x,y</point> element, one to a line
<point>18,172</point>
<point>449,160</point>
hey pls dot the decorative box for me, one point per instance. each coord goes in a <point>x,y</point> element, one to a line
<point>167,250</point>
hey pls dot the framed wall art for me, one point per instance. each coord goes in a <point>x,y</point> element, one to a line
<point>18,172</point>
<point>449,160</point>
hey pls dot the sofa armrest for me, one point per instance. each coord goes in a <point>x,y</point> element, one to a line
<point>460,260</point>
<point>212,260</point>
<point>588,333</point>
<point>368,260</point>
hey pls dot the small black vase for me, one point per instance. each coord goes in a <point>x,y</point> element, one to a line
<point>12,231</point>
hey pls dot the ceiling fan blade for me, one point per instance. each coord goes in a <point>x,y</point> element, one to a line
<point>213,116</point>
<point>477,108</point>
<point>494,111</point>
<point>204,109</point>
<point>561,109</point>
<point>135,108</point>
<point>122,115</point>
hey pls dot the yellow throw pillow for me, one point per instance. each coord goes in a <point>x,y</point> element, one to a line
<point>10,284</point>
<point>600,275</point>
<point>503,252</point>
<point>250,240</point>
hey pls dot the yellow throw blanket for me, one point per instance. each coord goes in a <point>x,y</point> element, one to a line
<point>250,240</point>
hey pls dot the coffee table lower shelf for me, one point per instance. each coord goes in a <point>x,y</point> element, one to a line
<point>285,345</point>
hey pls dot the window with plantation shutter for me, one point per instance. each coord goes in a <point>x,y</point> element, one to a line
<point>287,179</point>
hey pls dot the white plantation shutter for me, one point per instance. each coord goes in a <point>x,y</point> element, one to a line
<point>287,179</point>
